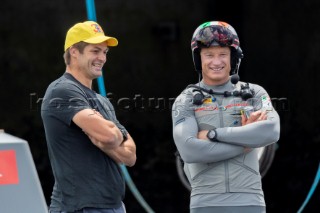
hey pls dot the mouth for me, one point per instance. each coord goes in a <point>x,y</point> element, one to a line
<point>216,69</point>
<point>97,66</point>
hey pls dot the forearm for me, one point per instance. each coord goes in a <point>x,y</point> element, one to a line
<point>125,153</point>
<point>185,131</point>
<point>194,150</point>
<point>103,130</point>
<point>257,134</point>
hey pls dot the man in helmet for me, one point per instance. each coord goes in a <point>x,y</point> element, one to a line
<point>85,140</point>
<point>219,124</point>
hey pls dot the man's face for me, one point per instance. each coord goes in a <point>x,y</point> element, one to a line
<point>92,59</point>
<point>216,64</point>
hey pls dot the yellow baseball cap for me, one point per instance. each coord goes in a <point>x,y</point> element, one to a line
<point>89,32</point>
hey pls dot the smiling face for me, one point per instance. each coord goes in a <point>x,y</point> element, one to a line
<point>216,64</point>
<point>91,61</point>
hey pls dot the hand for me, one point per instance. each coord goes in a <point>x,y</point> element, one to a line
<point>247,149</point>
<point>203,134</point>
<point>254,117</point>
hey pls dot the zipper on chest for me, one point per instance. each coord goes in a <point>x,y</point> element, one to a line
<point>221,110</point>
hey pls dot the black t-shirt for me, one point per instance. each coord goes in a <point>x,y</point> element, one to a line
<point>84,175</point>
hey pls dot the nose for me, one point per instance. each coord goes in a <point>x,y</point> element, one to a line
<point>215,60</point>
<point>102,57</point>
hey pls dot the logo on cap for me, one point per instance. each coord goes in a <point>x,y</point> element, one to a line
<point>96,28</point>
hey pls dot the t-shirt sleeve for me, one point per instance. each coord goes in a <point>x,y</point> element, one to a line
<point>65,101</point>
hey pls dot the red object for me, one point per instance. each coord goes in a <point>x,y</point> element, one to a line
<point>8,167</point>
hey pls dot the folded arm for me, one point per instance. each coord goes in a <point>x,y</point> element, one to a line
<point>262,128</point>
<point>257,131</point>
<point>125,153</point>
<point>93,124</point>
<point>193,149</point>
<point>107,136</point>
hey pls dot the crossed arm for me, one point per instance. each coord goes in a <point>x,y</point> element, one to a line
<point>259,130</point>
<point>106,136</point>
<point>254,117</point>
<point>125,153</point>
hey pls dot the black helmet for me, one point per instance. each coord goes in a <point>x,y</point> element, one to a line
<point>216,33</point>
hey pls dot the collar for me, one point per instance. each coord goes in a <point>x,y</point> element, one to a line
<point>227,86</point>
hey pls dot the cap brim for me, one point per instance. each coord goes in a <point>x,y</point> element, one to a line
<point>111,41</point>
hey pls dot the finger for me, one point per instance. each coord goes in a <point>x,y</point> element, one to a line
<point>201,135</point>
<point>198,136</point>
<point>256,114</point>
<point>263,116</point>
<point>263,113</point>
<point>253,116</point>
<point>243,119</point>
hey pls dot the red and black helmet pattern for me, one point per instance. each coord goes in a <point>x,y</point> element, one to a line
<point>215,33</point>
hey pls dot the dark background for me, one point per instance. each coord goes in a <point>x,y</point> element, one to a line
<point>281,44</point>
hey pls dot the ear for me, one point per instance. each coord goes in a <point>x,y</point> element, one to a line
<point>73,51</point>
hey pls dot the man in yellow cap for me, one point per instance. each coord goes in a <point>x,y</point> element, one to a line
<point>86,143</point>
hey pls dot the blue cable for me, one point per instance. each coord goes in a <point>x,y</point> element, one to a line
<point>91,12</point>
<point>93,17</point>
<point>313,188</point>
<point>134,190</point>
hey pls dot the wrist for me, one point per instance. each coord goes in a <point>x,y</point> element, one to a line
<point>124,135</point>
<point>212,135</point>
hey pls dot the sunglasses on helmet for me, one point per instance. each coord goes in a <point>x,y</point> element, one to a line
<point>212,35</point>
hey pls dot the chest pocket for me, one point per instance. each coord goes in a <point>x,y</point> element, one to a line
<point>207,115</point>
<point>223,112</point>
<point>231,110</point>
